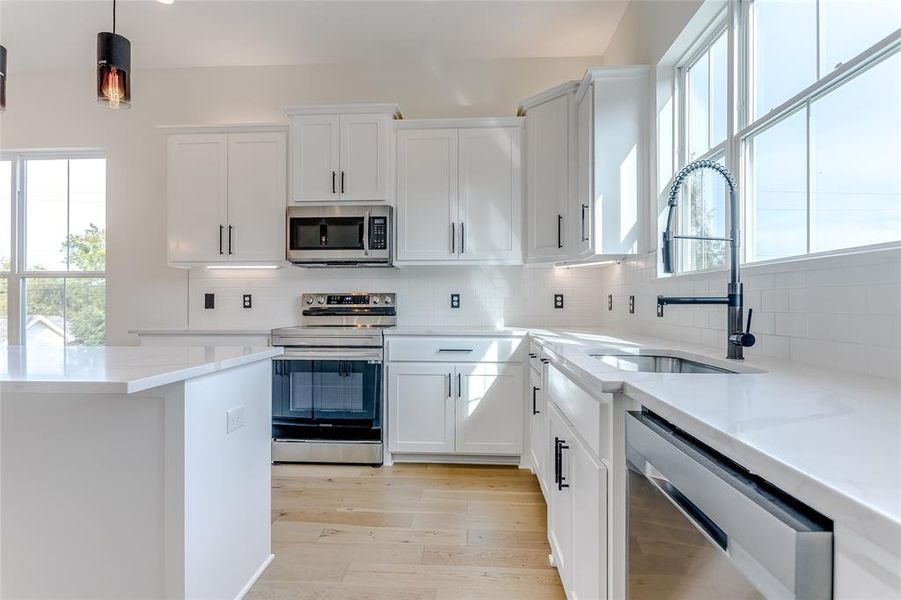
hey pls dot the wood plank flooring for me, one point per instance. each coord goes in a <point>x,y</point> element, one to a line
<point>407,532</point>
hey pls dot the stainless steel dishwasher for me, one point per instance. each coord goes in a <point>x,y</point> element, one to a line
<point>702,527</point>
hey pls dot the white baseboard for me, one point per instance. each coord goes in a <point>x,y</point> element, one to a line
<point>460,459</point>
<point>254,577</point>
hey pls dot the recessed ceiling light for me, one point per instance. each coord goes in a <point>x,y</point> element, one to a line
<point>165,1</point>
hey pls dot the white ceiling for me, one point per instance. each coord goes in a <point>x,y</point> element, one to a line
<point>46,34</point>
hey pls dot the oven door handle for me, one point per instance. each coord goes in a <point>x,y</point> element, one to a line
<point>338,354</point>
<point>365,223</point>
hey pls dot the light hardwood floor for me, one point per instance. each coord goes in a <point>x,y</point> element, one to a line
<point>407,532</point>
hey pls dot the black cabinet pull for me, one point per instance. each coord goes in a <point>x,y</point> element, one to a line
<point>535,410</point>
<point>559,231</point>
<point>556,460</point>
<point>462,238</point>
<point>450,393</point>
<point>532,355</point>
<point>342,182</point>
<point>453,237</point>
<point>333,182</point>
<point>459,393</point>
<point>221,227</point>
<point>561,445</point>
<point>230,239</point>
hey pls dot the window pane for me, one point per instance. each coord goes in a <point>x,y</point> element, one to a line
<point>46,188</point>
<point>785,51</point>
<point>87,214</point>
<point>6,172</point>
<point>4,311</point>
<point>856,161</point>
<point>704,214</point>
<point>85,312</point>
<point>698,116</point>
<point>719,85</point>
<point>44,312</point>
<point>778,202</point>
<point>848,27</point>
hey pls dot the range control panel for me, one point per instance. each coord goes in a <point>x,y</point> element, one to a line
<point>356,299</point>
<point>378,233</point>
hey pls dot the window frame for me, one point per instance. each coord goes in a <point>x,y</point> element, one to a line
<point>737,17</point>
<point>17,276</point>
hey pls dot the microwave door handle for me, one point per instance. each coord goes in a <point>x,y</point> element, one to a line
<point>366,232</point>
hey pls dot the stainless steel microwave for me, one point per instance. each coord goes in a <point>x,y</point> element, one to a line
<point>339,236</point>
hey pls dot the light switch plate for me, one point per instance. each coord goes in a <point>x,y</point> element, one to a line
<point>609,301</point>
<point>209,301</point>
<point>247,301</point>
<point>631,305</point>
<point>455,300</point>
<point>558,300</point>
<point>234,418</point>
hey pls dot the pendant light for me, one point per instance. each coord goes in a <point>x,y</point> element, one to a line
<point>113,68</point>
<point>2,78</point>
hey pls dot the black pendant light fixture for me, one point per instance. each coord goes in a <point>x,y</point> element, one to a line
<point>2,78</point>
<point>113,68</point>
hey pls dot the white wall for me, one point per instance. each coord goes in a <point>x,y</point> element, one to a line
<point>52,110</point>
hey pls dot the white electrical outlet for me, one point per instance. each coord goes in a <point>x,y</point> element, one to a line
<point>234,418</point>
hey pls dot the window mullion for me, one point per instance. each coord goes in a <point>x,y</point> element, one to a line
<point>809,164</point>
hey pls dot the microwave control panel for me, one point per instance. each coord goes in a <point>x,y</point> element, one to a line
<point>378,233</point>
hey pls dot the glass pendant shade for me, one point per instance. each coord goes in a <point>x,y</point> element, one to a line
<point>113,70</point>
<point>2,78</point>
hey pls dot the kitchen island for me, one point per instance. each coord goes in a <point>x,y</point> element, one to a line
<point>134,472</point>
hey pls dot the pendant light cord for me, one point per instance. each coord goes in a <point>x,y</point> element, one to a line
<point>114,16</point>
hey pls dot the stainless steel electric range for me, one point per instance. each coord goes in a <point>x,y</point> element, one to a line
<point>327,387</point>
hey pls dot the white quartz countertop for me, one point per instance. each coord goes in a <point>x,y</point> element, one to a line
<point>199,331</point>
<point>428,330</point>
<point>830,438</point>
<point>115,369</point>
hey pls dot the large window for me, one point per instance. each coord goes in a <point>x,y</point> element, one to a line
<point>813,138</point>
<point>53,248</point>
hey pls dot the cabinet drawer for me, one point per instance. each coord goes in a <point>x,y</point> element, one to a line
<point>589,416</point>
<point>455,349</point>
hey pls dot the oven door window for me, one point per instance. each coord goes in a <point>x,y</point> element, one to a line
<point>295,384</point>
<point>333,233</point>
<point>346,389</point>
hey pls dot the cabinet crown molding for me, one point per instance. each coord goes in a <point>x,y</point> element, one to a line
<point>225,128</point>
<point>568,87</point>
<point>459,123</point>
<point>593,74</point>
<point>392,110</point>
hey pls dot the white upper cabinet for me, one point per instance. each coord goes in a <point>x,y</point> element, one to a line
<point>197,194</point>
<point>226,190</point>
<point>340,153</point>
<point>490,200</point>
<point>314,157</point>
<point>459,196</point>
<point>548,127</point>
<point>257,181</point>
<point>426,194</point>
<point>611,155</point>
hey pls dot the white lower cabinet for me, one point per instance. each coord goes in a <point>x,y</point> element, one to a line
<point>576,495</point>
<point>421,407</point>
<point>450,406</point>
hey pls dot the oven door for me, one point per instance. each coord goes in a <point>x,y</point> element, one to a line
<point>334,235</point>
<point>333,386</point>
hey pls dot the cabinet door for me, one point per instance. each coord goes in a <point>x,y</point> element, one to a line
<point>197,197</point>
<point>256,196</point>
<point>427,195</point>
<point>589,539</point>
<point>489,408</point>
<point>537,416</point>
<point>363,156</point>
<point>560,501</point>
<point>314,158</point>
<point>547,183</point>
<point>583,206</point>
<point>420,407</point>
<point>490,194</point>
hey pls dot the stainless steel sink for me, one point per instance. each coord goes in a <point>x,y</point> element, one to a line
<point>653,363</point>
